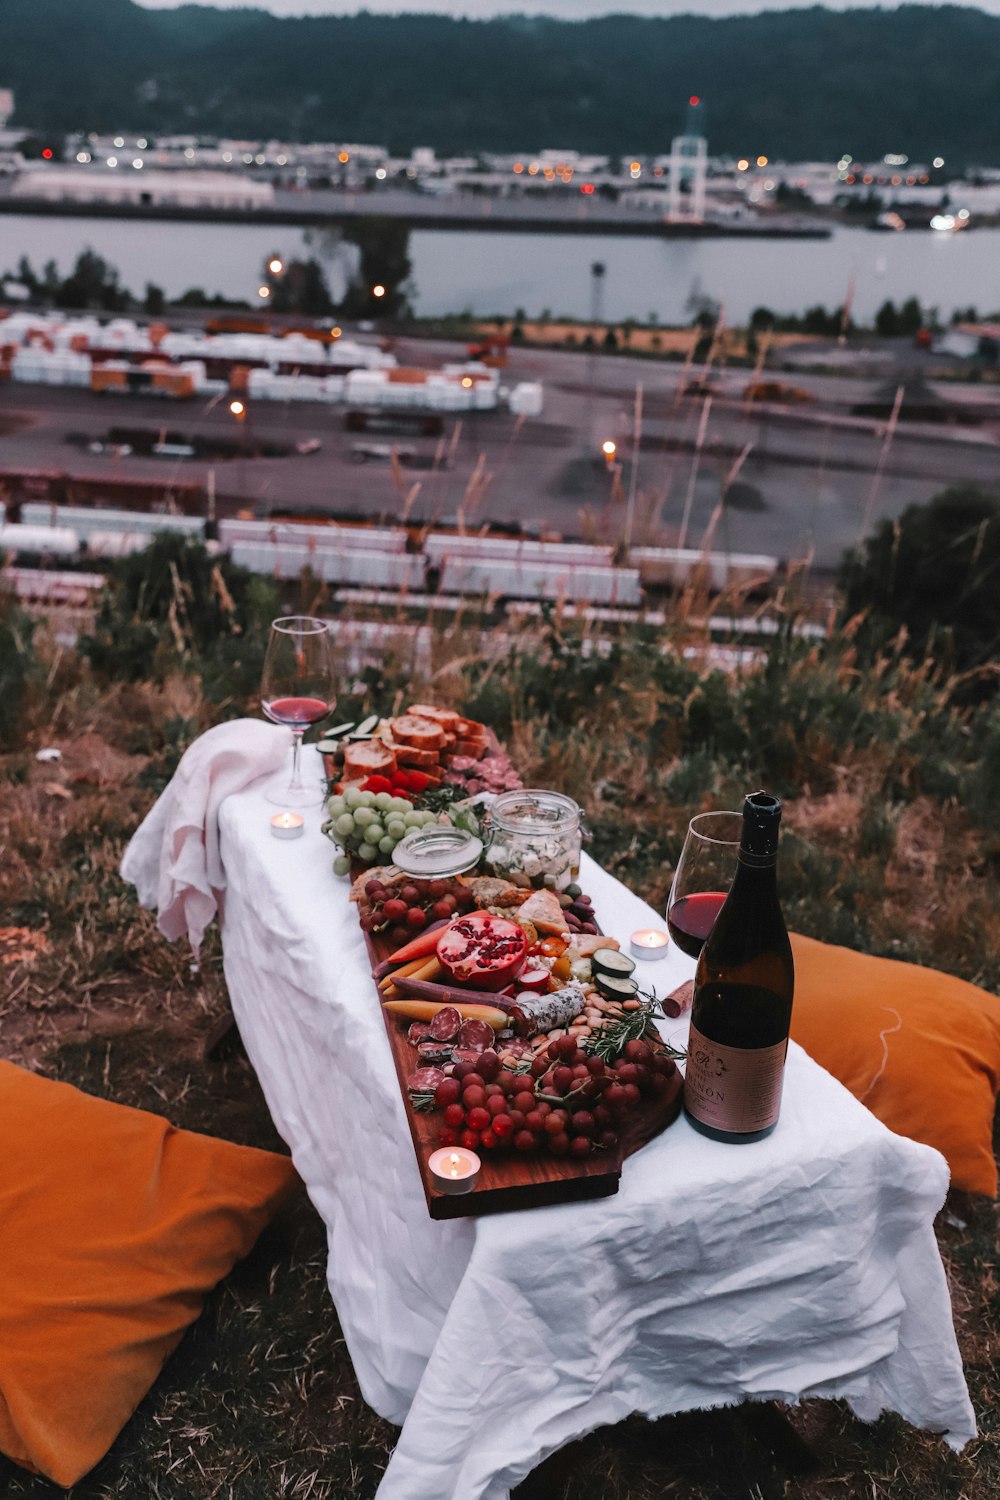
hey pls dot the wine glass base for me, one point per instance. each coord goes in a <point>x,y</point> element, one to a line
<point>280,794</point>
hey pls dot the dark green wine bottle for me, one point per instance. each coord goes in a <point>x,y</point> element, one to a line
<point>743,988</point>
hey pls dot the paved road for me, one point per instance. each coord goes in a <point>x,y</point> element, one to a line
<point>807,485</point>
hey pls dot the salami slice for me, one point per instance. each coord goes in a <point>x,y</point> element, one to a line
<point>434,1053</point>
<point>476,1035</point>
<point>418,1032</point>
<point>467,1054</point>
<point>446,1025</point>
<point>423,1079</point>
<point>533,1013</point>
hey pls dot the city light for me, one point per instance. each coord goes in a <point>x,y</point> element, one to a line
<point>467,381</point>
<point>938,162</point>
<point>237,408</point>
<point>344,157</point>
<point>335,332</point>
<point>519,167</point>
<point>47,153</point>
<point>378,290</point>
<point>609,448</point>
<point>83,156</point>
<point>119,141</point>
<point>762,161</point>
<point>264,292</point>
<point>694,101</point>
<point>137,163</point>
<point>275,266</point>
<point>112,161</point>
<point>742,165</point>
<point>586,187</point>
<point>380,174</point>
<point>142,143</point>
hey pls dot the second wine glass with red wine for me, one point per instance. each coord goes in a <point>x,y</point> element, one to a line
<point>702,879</point>
<point>297,688</point>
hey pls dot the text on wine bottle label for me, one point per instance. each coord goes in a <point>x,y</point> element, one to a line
<point>733,1088</point>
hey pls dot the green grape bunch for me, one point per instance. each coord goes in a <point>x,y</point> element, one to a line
<point>368,825</point>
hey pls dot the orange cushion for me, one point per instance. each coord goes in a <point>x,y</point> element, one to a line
<point>921,1049</point>
<point>113,1227</point>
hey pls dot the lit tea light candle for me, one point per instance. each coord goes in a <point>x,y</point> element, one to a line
<point>649,942</point>
<point>454,1169</point>
<point>288,825</point>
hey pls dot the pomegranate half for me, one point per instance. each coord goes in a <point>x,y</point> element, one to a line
<point>483,951</point>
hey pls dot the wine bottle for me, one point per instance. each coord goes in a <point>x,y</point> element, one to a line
<point>742,1005</point>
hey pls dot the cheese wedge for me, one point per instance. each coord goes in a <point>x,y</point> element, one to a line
<point>542,908</point>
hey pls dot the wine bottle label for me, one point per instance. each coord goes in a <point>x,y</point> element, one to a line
<point>737,1089</point>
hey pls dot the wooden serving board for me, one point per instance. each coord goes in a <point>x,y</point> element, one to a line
<point>510,1179</point>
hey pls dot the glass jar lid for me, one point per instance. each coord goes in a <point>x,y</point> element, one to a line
<point>534,810</point>
<point>439,849</point>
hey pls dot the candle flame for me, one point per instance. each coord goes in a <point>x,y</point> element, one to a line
<point>454,1162</point>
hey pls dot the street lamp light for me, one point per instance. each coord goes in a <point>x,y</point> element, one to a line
<point>378,290</point>
<point>276,266</point>
<point>238,409</point>
<point>263,292</point>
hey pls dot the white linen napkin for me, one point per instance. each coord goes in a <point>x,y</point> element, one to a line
<point>173,859</point>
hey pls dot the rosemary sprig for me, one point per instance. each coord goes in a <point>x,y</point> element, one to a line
<point>422,1100</point>
<point>614,1036</point>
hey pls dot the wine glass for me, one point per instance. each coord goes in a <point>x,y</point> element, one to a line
<point>297,688</point>
<point>702,878</point>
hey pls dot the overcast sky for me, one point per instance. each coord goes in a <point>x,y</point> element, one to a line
<point>569,10</point>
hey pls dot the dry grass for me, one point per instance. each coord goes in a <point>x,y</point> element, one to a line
<point>260,1401</point>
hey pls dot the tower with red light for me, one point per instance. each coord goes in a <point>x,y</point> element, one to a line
<point>688,168</point>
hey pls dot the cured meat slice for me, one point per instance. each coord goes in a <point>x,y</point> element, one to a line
<point>422,1080</point>
<point>434,1053</point>
<point>467,1054</point>
<point>418,1032</point>
<point>475,1035</point>
<point>445,1026</point>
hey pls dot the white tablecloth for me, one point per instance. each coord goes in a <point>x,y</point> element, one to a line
<point>801,1265</point>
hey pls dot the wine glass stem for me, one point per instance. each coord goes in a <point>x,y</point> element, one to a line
<point>295,785</point>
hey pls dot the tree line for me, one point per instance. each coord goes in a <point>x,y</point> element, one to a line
<point>797,84</point>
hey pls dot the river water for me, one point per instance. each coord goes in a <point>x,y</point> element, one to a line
<point>488,272</point>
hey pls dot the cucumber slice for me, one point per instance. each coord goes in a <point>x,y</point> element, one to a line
<point>616,989</point>
<point>609,961</point>
<point>336,732</point>
<point>366,728</point>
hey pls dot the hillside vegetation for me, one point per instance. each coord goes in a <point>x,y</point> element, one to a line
<point>792,84</point>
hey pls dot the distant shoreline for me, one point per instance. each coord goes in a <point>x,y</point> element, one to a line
<point>502,216</point>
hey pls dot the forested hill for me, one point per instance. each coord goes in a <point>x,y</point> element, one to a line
<point>796,84</point>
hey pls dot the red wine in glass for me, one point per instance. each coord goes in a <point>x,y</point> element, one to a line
<point>297,689</point>
<point>702,878</point>
<point>691,918</point>
<point>297,712</point>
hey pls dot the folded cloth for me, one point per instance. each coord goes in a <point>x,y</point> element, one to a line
<point>173,859</point>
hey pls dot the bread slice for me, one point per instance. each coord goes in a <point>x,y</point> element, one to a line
<point>422,734</point>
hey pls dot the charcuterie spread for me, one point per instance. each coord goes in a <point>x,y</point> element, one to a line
<point>519,1031</point>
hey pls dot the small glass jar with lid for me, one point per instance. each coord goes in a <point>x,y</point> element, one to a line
<point>534,839</point>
